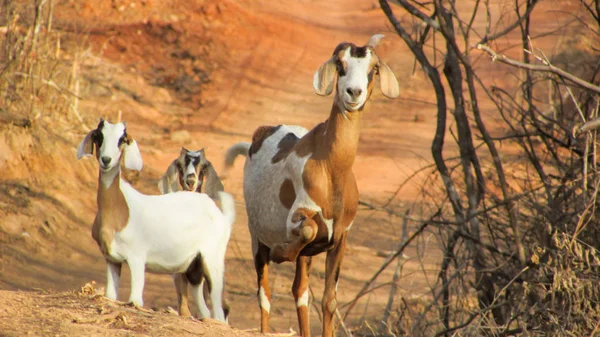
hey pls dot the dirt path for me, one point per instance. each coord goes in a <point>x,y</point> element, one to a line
<point>205,74</point>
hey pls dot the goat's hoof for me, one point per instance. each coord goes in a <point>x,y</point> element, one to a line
<point>134,305</point>
<point>185,313</point>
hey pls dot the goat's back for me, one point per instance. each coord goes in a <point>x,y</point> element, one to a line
<point>170,229</point>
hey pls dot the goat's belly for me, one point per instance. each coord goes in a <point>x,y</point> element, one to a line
<point>266,214</point>
<point>268,224</point>
<point>270,236</point>
<point>171,265</point>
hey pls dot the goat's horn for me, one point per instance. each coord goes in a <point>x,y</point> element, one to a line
<point>374,40</point>
<point>119,116</point>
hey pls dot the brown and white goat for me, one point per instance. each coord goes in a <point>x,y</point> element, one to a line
<point>300,192</point>
<point>176,233</point>
<point>191,171</point>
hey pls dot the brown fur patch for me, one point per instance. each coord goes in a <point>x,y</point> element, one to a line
<point>259,136</point>
<point>113,214</point>
<point>287,194</point>
<point>327,175</point>
<point>285,146</point>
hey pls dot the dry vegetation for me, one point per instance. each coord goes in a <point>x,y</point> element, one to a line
<point>508,209</point>
<point>516,211</point>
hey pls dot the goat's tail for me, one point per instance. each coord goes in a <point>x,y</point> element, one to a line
<point>227,207</point>
<point>232,153</point>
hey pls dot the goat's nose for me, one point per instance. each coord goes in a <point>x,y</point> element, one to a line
<point>190,181</point>
<point>105,160</point>
<point>354,92</point>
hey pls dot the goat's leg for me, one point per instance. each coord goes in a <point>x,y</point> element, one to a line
<point>224,302</point>
<point>113,276</point>
<point>305,232</point>
<point>198,294</point>
<point>137,267</point>
<point>300,291</point>
<point>261,263</point>
<point>181,284</point>
<point>196,274</point>
<point>333,264</point>
<point>216,293</point>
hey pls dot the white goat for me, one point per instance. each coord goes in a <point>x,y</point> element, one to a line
<point>301,195</point>
<point>192,171</point>
<point>176,233</point>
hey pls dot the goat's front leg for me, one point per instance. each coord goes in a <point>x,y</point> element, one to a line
<point>181,285</point>
<point>113,276</point>
<point>300,292</point>
<point>305,232</point>
<point>333,264</point>
<point>137,267</point>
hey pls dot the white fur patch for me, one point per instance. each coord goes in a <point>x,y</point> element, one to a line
<point>349,226</point>
<point>303,300</point>
<point>111,133</point>
<point>190,169</point>
<point>264,300</point>
<point>356,77</point>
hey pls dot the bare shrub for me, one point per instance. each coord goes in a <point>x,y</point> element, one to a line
<point>517,218</point>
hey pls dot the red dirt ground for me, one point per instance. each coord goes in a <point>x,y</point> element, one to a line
<point>205,74</point>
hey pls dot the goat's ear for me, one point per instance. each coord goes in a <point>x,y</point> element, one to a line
<point>213,184</point>
<point>168,182</point>
<point>183,151</point>
<point>133,157</point>
<point>388,83</point>
<point>323,79</point>
<point>86,147</point>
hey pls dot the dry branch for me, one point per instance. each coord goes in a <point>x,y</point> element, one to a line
<point>387,262</point>
<point>537,67</point>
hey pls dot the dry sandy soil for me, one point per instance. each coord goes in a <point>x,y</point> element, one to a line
<point>205,74</point>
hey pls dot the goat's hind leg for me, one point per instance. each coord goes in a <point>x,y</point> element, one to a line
<point>197,275</point>
<point>261,263</point>
<point>305,233</point>
<point>181,285</point>
<point>198,295</point>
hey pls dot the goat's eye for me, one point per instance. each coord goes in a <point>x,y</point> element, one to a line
<point>121,140</point>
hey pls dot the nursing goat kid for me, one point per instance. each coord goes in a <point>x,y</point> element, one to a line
<point>177,233</point>
<point>300,192</point>
<point>192,171</point>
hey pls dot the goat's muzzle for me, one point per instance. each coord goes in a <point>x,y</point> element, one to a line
<point>189,184</point>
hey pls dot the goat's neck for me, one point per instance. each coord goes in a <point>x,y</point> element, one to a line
<point>109,187</point>
<point>113,210</point>
<point>340,138</point>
